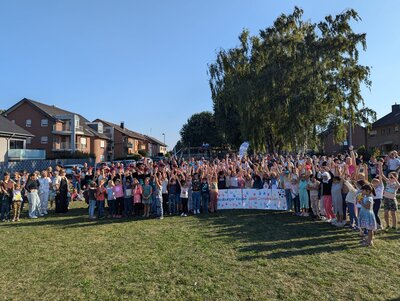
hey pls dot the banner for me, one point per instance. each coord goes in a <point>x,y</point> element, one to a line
<point>262,199</point>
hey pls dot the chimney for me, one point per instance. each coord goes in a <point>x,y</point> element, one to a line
<point>122,125</point>
<point>395,108</point>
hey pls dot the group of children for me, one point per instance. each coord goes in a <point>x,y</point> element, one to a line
<point>334,189</point>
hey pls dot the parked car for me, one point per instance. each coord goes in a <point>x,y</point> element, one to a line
<point>102,164</point>
<point>129,163</point>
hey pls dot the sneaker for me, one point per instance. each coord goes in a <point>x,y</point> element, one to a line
<point>306,214</point>
<point>161,217</point>
<point>334,222</point>
<point>183,214</point>
<point>41,214</point>
<point>34,216</point>
<point>3,220</point>
<point>328,220</point>
<point>45,213</point>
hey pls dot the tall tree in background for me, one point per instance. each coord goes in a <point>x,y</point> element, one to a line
<point>201,128</point>
<point>280,88</point>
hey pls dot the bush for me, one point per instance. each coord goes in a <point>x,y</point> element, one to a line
<point>142,152</point>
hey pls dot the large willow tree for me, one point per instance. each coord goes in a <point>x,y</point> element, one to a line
<point>281,88</point>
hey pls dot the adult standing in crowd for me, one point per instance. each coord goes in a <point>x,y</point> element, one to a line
<point>62,194</point>
<point>32,188</point>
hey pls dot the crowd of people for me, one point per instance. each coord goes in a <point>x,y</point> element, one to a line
<point>343,190</point>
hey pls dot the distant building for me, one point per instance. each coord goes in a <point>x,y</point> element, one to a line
<point>13,143</point>
<point>329,145</point>
<point>384,134</point>
<point>124,142</point>
<point>156,146</point>
<point>56,130</point>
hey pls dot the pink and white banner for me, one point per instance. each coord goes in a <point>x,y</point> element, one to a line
<point>263,199</point>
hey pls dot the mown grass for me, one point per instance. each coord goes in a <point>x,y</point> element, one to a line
<point>233,255</point>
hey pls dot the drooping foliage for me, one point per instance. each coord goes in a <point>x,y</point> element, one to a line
<point>281,88</point>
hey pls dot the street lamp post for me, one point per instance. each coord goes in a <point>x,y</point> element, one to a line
<point>164,143</point>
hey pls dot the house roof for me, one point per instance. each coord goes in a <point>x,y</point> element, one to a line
<point>125,131</point>
<point>8,128</point>
<point>53,111</point>
<point>390,119</point>
<point>155,141</point>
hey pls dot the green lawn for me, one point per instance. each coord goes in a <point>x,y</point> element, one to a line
<point>233,255</point>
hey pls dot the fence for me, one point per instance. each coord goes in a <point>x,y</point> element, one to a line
<point>33,165</point>
<point>264,199</point>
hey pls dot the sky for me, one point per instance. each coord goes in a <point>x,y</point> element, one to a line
<point>145,62</point>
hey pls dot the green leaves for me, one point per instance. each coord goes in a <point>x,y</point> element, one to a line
<point>277,88</point>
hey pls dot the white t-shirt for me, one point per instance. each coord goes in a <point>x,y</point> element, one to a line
<point>379,192</point>
<point>165,186</point>
<point>185,192</point>
<point>393,164</point>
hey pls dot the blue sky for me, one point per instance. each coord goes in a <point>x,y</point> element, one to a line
<point>145,62</point>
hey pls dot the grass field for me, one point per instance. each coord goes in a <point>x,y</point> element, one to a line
<point>233,255</point>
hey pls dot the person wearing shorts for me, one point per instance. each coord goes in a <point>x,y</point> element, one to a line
<point>389,196</point>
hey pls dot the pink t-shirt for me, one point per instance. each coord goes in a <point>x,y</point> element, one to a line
<point>352,169</point>
<point>118,191</point>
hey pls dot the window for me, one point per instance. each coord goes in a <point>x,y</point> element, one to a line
<point>102,158</point>
<point>44,122</point>
<point>28,123</point>
<point>43,140</point>
<point>396,128</point>
<point>16,144</point>
<point>388,131</point>
<point>102,144</point>
<point>29,140</point>
<point>83,141</point>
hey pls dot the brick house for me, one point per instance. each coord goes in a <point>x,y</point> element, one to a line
<point>56,130</point>
<point>156,146</point>
<point>330,146</point>
<point>385,132</point>
<point>124,142</point>
<point>13,142</point>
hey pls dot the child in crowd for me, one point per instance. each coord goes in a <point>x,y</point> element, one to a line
<point>303,195</point>
<point>214,193</point>
<point>379,188</point>
<point>184,185</point>
<point>92,199</point>
<point>101,195</point>
<point>351,200</point>
<point>16,202</point>
<point>119,198</point>
<point>366,218</point>
<point>294,190</point>
<point>128,198</point>
<point>337,201</point>
<point>147,197</point>
<point>172,195</point>
<point>137,197</point>
<point>389,196</point>
<point>313,187</point>
<point>205,195</point>
<point>111,199</point>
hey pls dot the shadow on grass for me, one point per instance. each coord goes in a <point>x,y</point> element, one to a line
<point>274,235</point>
<point>74,218</point>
